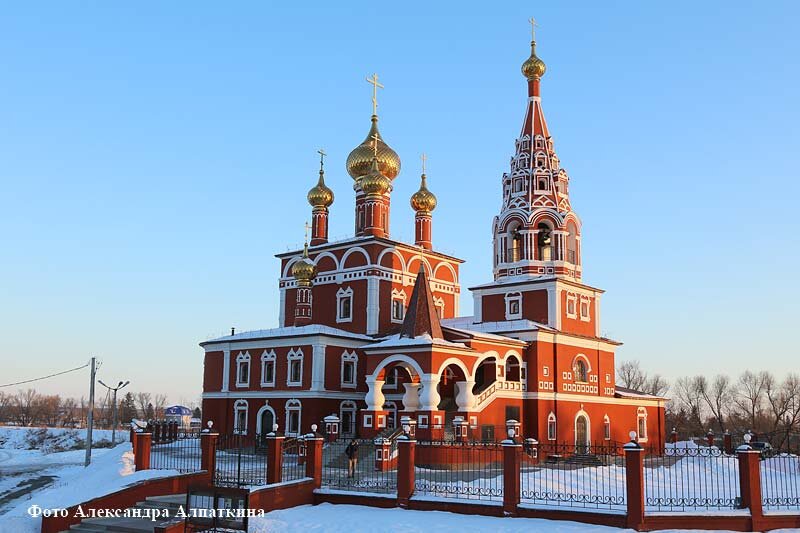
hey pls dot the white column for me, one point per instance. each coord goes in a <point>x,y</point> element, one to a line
<point>282,308</point>
<point>318,367</point>
<point>411,397</point>
<point>553,307</point>
<point>429,397</point>
<point>374,397</point>
<point>465,400</point>
<point>373,307</point>
<point>226,369</point>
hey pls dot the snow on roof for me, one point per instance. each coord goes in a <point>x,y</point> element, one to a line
<point>289,331</point>
<point>496,327</point>
<point>625,392</point>
<point>508,280</point>
<point>484,336</point>
<point>423,340</point>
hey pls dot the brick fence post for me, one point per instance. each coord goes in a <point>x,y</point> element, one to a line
<point>406,450</point>
<point>208,453</point>
<point>314,457</point>
<point>512,457</point>
<point>634,481</point>
<point>274,457</point>
<point>750,482</point>
<point>141,458</point>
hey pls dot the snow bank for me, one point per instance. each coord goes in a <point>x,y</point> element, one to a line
<point>109,472</point>
<point>49,440</point>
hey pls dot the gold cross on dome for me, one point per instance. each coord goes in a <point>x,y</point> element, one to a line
<point>375,87</point>
<point>308,226</point>
<point>322,155</point>
<point>533,28</point>
<point>424,159</point>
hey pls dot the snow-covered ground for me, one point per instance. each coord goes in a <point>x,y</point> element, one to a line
<point>330,518</point>
<point>45,467</point>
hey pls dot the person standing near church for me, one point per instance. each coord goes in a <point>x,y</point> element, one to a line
<point>352,457</point>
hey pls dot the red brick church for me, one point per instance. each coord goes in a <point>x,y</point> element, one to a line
<point>370,328</point>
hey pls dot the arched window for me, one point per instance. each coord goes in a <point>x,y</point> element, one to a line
<point>542,184</point>
<point>580,370</point>
<point>551,426</point>
<point>572,243</point>
<point>347,415</point>
<point>512,368</point>
<point>294,410</point>
<point>243,369</point>
<point>294,375</point>
<point>268,368</point>
<point>398,305</point>
<point>606,428</point>
<point>344,305</point>
<point>349,366</point>
<point>240,417</point>
<point>513,305</point>
<point>544,241</point>
<point>515,251</point>
<point>641,423</point>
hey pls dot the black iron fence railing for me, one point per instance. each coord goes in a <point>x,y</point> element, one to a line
<point>780,482</point>
<point>241,461</point>
<point>181,454</point>
<point>468,470</point>
<point>565,475</point>
<point>360,473</point>
<point>294,458</point>
<point>691,478</point>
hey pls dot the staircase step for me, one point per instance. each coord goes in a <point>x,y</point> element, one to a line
<point>122,525</point>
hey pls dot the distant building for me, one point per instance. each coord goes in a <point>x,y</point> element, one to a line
<point>369,327</point>
<point>180,414</point>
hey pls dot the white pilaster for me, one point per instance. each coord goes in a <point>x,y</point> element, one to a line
<point>373,307</point>
<point>318,367</point>
<point>429,397</point>
<point>477,306</point>
<point>226,369</point>
<point>282,308</point>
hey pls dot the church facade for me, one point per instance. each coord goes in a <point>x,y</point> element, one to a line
<point>370,328</point>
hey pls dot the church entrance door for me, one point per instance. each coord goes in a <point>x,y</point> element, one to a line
<point>581,435</point>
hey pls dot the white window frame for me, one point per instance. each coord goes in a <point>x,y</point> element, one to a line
<point>585,302</point>
<point>241,360</point>
<point>552,428</point>
<point>641,422</point>
<point>438,303</point>
<point>573,299</point>
<point>292,406</point>
<point>400,298</point>
<point>344,294</point>
<point>349,358</point>
<point>585,360</point>
<point>266,358</point>
<point>240,406</point>
<point>510,298</point>
<point>295,354</point>
<point>606,428</point>
<point>545,371</point>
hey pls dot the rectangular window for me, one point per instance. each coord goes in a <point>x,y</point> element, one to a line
<point>241,421</point>
<point>243,375</point>
<point>642,428</point>
<point>572,301</point>
<point>551,430</point>
<point>585,314</point>
<point>349,373</point>
<point>398,310</point>
<point>512,412</point>
<point>345,312</point>
<point>513,306</point>
<point>295,369</point>
<point>487,433</point>
<point>294,422</point>
<point>546,371</point>
<point>607,430</point>
<point>268,374</point>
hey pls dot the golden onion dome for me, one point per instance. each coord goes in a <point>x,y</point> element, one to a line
<point>533,68</point>
<point>320,195</point>
<point>374,183</point>
<point>423,200</point>
<point>304,270</point>
<point>360,159</point>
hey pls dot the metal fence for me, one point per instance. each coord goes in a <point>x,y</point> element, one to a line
<point>691,478</point>
<point>780,482</point>
<point>564,475</point>
<point>338,472</point>
<point>241,460</point>
<point>181,453</point>
<point>468,470</point>
<point>294,459</point>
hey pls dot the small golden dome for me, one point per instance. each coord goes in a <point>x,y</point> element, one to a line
<point>304,270</point>
<point>533,68</point>
<point>360,159</point>
<point>320,195</point>
<point>423,200</point>
<point>374,183</point>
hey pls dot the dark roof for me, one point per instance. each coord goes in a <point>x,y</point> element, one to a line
<point>625,391</point>
<point>421,317</point>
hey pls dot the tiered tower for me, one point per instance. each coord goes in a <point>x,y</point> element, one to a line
<point>536,232</point>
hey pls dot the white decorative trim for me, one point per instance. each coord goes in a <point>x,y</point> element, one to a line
<point>259,429</point>
<point>552,427</point>
<point>240,406</point>
<point>400,298</point>
<point>294,405</point>
<point>268,357</point>
<point>242,361</point>
<point>226,370</point>
<point>295,354</point>
<point>571,310</point>
<point>348,358</point>
<point>585,305</point>
<point>341,295</point>
<point>317,367</point>
<point>373,304</point>
<point>641,423</point>
<point>513,305</point>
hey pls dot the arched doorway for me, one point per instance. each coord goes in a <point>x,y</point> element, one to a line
<point>581,434</point>
<point>265,419</point>
<point>347,417</point>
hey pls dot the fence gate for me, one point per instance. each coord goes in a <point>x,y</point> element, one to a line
<point>241,461</point>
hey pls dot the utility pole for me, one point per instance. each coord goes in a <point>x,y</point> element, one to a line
<point>90,416</point>
<point>119,386</point>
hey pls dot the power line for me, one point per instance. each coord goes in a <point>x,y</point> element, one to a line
<point>44,377</point>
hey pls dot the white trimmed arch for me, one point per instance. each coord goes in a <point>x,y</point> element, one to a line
<point>265,407</point>
<point>483,357</point>
<point>457,362</point>
<point>446,266</point>
<point>391,251</point>
<point>328,254</point>
<point>350,252</point>
<point>428,269</point>
<point>397,358</point>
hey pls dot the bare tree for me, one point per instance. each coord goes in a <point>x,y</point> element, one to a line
<point>717,396</point>
<point>159,403</point>
<point>26,407</point>
<point>687,393</point>
<point>749,397</point>
<point>6,404</point>
<point>142,401</point>
<point>50,409</point>
<point>656,385</point>
<point>70,412</point>
<point>630,375</point>
<point>783,401</point>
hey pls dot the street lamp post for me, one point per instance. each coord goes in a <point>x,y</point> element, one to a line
<point>119,386</point>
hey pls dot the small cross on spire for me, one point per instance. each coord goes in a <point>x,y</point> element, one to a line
<point>375,87</point>
<point>322,155</point>
<point>533,28</point>
<point>307,226</point>
<point>375,144</point>
<point>424,159</point>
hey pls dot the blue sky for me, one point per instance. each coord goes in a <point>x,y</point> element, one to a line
<point>154,157</point>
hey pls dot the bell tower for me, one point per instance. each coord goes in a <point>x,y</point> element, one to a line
<point>536,233</point>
